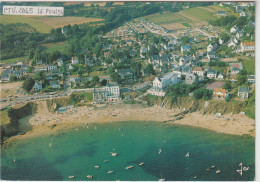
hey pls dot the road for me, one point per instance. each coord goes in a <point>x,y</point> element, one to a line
<point>159,33</point>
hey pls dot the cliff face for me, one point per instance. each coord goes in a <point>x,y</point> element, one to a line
<point>10,121</point>
<point>206,107</point>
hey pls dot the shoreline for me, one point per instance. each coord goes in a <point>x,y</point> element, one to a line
<point>40,124</point>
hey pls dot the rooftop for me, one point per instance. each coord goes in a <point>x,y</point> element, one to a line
<point>243,89</point>
<point>248,43</point>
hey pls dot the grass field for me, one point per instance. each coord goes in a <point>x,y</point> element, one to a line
<point>187,17</point>
<point>249,66</point>
<point>98,73</point>
<point>8,19</point>
<point>44,24</point>
<point>167,18</point>
<point>57,46</point>
<point>13,60</point>
<point>186,24</point>
<point>62,21</point>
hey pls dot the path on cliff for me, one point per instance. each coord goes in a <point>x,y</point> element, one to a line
<point>42,109</point>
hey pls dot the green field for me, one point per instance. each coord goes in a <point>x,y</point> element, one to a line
<point>186,24</point>
<point>201,14</point>
<point>167,18</point>
<point>14,60</point>
<point>188,16</point>
<point>8,19</point>
<point>57,46</point>
<point>249,66</point>
<point>44,24</point>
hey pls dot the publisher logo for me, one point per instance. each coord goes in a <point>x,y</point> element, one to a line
<point>33,10</point>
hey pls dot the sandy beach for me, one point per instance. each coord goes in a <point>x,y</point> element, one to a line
<point>40,123</point>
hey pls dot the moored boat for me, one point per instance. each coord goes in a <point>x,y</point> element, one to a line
<point>97,166</point>
<point>141,164</point>
<point>109,172</point>
<point>89,176</point>
<point>71,177</point>
<point>187,155</point>
<point>129,167</point>
<point>218,171</point>
<point>114,154</point>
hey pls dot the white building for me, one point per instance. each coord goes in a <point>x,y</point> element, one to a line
<point>112,92</point>
<point>199,71</point>
<point>212,73</point>
<point>220,41</point>
<point>74,60</point>
<point>60,62</point>
<point>247,46</point>
<point>234,29</point>
<point>37,86</point>
<point>160,83</point>
<point>51,67</point>
<point>211,47</point>
<point>242,13</point>
<point>185,48</point>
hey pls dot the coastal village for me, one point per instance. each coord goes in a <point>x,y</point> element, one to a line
<point>141,61</point>
<point>161,58</point>
<point>196,74</point>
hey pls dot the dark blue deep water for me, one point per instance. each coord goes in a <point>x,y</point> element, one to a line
<point>76,152</point>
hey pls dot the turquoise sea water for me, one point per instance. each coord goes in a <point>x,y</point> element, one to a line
<point>76,152</point>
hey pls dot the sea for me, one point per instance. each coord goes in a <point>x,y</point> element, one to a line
<point>162,147</point>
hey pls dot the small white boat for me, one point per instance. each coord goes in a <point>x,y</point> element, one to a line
<point>97,166</point>
<point>207,169</point>
<point>113,154</point>
<point>212,167</point>
<point>160,151</point>
<point>71,177</point>
<point>77,129</point>
<point>14,160</point>
<point>89,176</point>
<point>218,171</point>
<point>106,160</point>
<point>141,164</point>
<point>109,172</point>
<point>50,145</point>
<point>195,177</point>
<point>129,167</point>
<point>187,155</point>
<point>161,179</point>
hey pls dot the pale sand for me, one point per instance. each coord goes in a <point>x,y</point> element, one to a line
<point>39,124</point>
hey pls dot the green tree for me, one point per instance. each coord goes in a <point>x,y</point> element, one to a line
<point>40,75</point>
<point>103,82</point>
<point>149,69</point>
<point>241,77</point>
<point>28,84</point>
<point>95,80</point>
<point>13,78</point>
<point>137,68</point>
<point>184,40</point>
<point>203,93</point>
<point>227,85</point>
<point>97,49</point>
<point>115,77</point>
